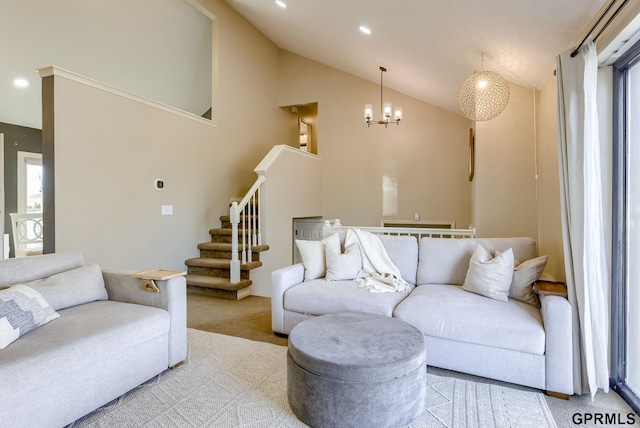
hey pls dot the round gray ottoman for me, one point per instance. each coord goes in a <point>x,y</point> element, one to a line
<point>356,370</point>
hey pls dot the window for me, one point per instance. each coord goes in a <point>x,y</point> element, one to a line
<point>29,182</point>
<point>625,293</point>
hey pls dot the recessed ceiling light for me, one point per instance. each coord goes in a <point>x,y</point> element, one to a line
<point>21,83</point>
<point>281,4</point>
<point>365,30</point>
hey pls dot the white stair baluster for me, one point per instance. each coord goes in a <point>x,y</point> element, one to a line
<point>259,218</point>
<point>244,234</point>
<point>234,274</point>
<point>250,234</point>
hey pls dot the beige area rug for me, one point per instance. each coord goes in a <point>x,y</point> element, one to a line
<point>233,382</point>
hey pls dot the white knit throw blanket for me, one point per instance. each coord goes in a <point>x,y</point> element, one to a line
<point>381,275</point>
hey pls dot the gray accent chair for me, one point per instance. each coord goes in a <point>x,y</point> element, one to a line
<point>95,351</point>
<point>512,342</point>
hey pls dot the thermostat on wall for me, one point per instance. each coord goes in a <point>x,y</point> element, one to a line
<point>159,184</point>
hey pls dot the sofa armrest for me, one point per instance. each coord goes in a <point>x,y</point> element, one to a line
<point>281,280</point>
<point>557,319</point>
<point>172,297</point>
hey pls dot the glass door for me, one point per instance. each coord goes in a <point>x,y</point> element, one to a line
<point>625,281</point>
<point>633,230</point>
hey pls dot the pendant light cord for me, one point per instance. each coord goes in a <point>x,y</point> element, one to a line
<point>382,70</point>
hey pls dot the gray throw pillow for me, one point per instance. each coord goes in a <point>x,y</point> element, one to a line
<point>524,275</point>
<point>73,287</point>
<point>22,309</point>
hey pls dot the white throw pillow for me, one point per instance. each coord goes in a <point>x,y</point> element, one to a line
<point>22,309</point>
<point>313,258</point>
<point>524,275</point>
<point>490,277</point>
<point>342,266</point>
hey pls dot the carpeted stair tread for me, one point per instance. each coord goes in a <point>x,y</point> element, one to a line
<point>216,282</point>
<point>227,218</point>
<point>227,231</point>
<point>222,246</point>
<point>219,263</point>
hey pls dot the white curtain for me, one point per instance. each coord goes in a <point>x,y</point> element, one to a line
<point>582,221</point>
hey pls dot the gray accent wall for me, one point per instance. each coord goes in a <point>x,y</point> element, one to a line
<point>16,138</point>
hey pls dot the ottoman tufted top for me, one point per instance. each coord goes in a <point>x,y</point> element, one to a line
<point>357,347</point>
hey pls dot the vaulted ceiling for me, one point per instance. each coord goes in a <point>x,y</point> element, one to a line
<point>428,46</point>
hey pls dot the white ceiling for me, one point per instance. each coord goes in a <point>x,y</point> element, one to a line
<point>429,47</point>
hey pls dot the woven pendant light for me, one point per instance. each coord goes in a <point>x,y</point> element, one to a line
<point>483,96</point>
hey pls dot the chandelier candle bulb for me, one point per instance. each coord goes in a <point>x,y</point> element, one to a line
<point>368,111</point>
<point>387,110</point>
<point>397,116</point>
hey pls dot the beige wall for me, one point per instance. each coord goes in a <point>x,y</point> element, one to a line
<point>550,241</point>
<point>505,188</point>
<point>424,158</point>
<point>109,150</point>
<point>291,190</point>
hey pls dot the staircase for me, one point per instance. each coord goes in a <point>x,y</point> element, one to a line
<point>210,273</point>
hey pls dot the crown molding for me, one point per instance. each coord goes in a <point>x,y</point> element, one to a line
<point>69,75</point>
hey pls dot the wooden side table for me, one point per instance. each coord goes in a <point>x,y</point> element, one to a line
<point>547,288</point>
<point>150,276</point>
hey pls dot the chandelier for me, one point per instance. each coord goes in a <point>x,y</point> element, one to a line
<point>386,110</point>
<point>483,96</point>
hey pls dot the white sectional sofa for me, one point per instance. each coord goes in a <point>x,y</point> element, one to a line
<point>109,337</point>
<point>509,341</point>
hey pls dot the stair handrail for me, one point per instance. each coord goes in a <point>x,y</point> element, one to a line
<point>249,206</point>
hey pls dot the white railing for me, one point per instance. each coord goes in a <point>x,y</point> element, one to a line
<point>420,232</point>
<point>247,211</point>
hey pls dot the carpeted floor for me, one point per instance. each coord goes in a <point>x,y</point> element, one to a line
<point>250,318</point>
<point>235,382</point>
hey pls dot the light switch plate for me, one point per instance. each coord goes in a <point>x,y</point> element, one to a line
<point>167,210</point>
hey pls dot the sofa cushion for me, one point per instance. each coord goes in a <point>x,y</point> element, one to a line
<point>446,260</point>
<point>22,309</point>
<point>84,336</point>
<point>73,287</point>
<point>449,312</point>
<point>23,269</point>
<point>490,276</point>
<point>320,297</point>
<point>403,252</point>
